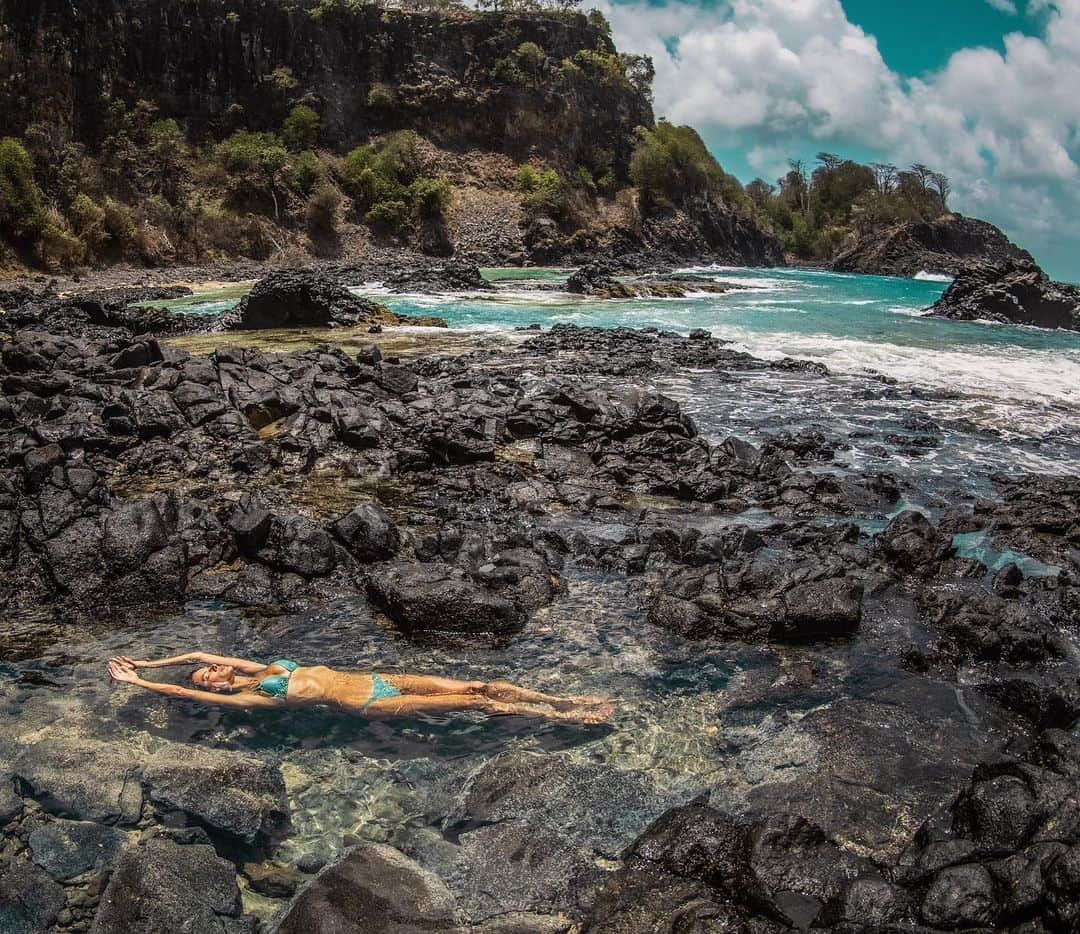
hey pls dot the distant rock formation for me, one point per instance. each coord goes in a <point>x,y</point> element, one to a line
<point>1014,292</point>
<point>944,246</point>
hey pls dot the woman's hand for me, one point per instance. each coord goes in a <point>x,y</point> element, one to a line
<point>122,669</point>
<point>132,663</point>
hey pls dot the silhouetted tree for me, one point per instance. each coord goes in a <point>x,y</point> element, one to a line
<point>942,186</point>
<point>884,177</point>
<point>829,160</point>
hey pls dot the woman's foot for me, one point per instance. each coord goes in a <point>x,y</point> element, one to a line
<point>580,700</point>
<point>595,713</point>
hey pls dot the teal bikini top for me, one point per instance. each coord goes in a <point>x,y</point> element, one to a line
<point>278,685</point>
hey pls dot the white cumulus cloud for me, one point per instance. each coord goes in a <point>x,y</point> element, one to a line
<point>771,75</point>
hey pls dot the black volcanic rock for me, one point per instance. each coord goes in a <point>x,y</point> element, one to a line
<point>159,881</point>
<point>454,275</point>
<point>227,791</point>
<point>427,598</point>
<point>589,278</point>
<point>1014,292</point>
<point>372,889</point>
<point>759,601</point>
<point>943,246</point>
<point>299,299</point>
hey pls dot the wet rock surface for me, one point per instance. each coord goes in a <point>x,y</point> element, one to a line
<point>1014,292</point>
<point>80,779</point>
<point>372,888</point>
<point>529,833</point>
<point>881,730</point>
<point>160,881</point>
<point>226,791</point>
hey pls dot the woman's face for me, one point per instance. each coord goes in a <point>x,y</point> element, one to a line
<point>216,678</point>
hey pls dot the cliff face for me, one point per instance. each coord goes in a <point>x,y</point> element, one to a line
<point>942,246</point>
<point>488,91</point>
<point>215,64</point>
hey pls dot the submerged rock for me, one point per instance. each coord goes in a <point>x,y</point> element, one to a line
<point>372,890</point>
<point>82,779</point>
<point>227,791</point>
<point>66,848</point>
<point>30,900</point>
<point>533,833</point>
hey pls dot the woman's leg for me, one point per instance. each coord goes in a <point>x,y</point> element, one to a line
<point>496,690</point>
<point>416,704</point>
<point>512,693</point>
<point>430,684</point>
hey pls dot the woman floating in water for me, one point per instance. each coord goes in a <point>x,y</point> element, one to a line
<point>237,682</point>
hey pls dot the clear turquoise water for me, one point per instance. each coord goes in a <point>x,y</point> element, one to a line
<point>1005,397</point>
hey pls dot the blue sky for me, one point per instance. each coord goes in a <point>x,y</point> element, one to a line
<point>987,91</point>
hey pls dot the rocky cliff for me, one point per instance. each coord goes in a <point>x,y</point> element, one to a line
<point>1016,292</point>
<point>217,63</point>
<point>942,246</point>
<point>147,92</point>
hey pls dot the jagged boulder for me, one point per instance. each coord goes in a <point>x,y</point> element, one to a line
<point>301,299</point>
<point>757,600</point>
<point>367,533</point>
<point>913,544</point>
<point>428,597</point>
<point>590,278</point>
<point>1011,292</point>
<point>778,869</point>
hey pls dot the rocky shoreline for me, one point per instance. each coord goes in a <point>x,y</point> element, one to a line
<point>468,493</point>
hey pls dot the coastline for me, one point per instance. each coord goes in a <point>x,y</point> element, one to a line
<point>753,583</point>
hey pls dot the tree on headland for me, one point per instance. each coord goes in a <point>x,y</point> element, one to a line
<point>759,192</point>
<point>943,187</point>
<point>796,184</point>
<point>829,160</point>
<point>814,214</point>
<point>884,177</point>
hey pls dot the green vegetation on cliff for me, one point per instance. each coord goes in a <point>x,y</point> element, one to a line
<point>816,214</point>
<point>671,163</point>
<point>167,141</point>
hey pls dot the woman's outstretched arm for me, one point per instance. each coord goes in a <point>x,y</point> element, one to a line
<point>198,658</point>
<point>124,673</point>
